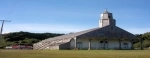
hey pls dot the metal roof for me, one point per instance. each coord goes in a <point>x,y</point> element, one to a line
<point>96,32</point>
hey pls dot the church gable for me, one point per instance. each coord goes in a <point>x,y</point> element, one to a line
<point>108,32</point>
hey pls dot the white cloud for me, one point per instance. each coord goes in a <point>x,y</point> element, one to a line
<point>54,28</point>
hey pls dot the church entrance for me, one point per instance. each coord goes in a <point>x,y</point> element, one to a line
<point>103,45</point>
<point>79,45</point>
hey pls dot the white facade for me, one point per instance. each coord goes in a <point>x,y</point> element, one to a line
<point>95,44</point>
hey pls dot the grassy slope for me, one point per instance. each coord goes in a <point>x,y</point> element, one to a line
<point>74,54</point>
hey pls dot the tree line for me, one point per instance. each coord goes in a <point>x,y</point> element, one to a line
<point>142,39</point>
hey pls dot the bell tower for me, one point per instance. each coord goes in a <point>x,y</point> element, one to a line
<point>106,18</point>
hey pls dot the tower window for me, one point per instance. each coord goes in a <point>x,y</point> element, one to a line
<point>109,16</point>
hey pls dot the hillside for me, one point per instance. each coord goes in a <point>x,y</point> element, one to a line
<point>24,38</point>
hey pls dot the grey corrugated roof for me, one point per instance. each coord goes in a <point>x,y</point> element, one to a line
<point>72,35</point>
<point>109,32</point>
<point>95,32</point>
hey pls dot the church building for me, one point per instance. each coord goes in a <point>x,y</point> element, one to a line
<point>106,36</point>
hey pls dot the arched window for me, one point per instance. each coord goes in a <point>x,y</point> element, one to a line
<point>125,45</point>
<point>106,44</point>
<point>101,41</point>
<point>101,44</point>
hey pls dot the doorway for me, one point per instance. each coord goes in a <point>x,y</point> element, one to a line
<point>125,45</point>
<point>79,45</point>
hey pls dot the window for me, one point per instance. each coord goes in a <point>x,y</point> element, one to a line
<point>109,16</point>
<point>125,45</point>
<point>106,44</point>
<point>101,44</point>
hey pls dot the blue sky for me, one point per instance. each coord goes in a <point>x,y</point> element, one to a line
<point>64,16</point>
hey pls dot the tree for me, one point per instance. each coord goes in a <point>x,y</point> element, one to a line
<point>139,42</point>
<point>30,41</point>
<point>2,43</point>
<point>146,43</point>
<point>146,35</point>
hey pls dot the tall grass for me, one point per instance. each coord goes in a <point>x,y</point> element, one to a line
<point>74,54</point>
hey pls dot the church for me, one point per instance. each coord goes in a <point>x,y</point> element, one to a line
<point>106,36</point>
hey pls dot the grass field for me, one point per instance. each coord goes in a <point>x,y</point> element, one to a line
<point>74,53</point>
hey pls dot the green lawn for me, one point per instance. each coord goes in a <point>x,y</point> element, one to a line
<point>74,53</point>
